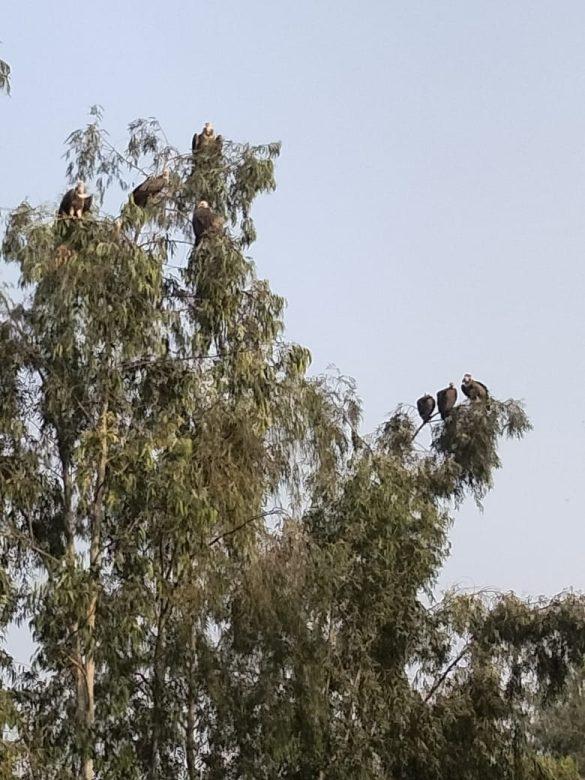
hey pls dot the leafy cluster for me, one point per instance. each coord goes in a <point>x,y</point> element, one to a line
<point>558,729</point>
<point>4,77</point>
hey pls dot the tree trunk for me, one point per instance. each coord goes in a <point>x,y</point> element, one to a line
<point>78,668</point>
<point>159,662</point>
<point>158,675</point>
<point>159,668</point>
<point>190,747</point>
<point>95,561</point>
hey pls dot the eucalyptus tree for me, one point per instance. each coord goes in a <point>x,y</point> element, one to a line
<point>150,407</point>
<point>340,662</point>
<point>222,578</point>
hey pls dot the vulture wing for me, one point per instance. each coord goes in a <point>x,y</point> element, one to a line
<point>441,403</point>
<point>484,391</point>
<point>154,184</point>
<point>66,203</point>
<point>475,390</point>
<point>140,196</point>
<point>87,203</point>
<point>202,220</point>
<point>446,401</point>
<point>151,186</point>
<point>205,221</point>
<point>426,407</point>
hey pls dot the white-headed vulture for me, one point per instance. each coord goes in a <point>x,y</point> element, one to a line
<point>205,221</point>
<point>473,389</point>
<point>75,202</point>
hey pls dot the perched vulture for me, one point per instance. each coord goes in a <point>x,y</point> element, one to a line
<point>207,139</point>
<point>426,407</point>
<point>75,202</point>
<point>205,221</point>
<point>152,186</point>
<point>446,400</point>
<point>474,390</point>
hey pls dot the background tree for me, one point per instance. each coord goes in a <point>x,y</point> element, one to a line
<point>4,77</point>
<point>223,579</point>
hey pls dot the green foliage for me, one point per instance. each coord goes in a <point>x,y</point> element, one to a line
<point>4,77</point>
<point>557,769</point>
<point>469,438</point>
<point>559,727</point>
<point>222,577</point>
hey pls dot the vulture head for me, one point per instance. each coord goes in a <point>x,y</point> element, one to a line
<point>166,174</point>
<point>208,129</point>
<point>467,379</point>
<point>203,204</point>
<point>80,190</point>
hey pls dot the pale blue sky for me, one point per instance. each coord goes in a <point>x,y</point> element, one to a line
<point>429,218</point>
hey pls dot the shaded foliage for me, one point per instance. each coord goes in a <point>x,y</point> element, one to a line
<point>559,727</point>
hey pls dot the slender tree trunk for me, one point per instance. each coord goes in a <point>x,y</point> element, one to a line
<point>95,561</point>
<point>159,662</point>
<point>78,668</point>
<point>190,747</point>
<point>158,675</point>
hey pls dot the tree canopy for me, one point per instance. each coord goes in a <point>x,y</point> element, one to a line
<point>224,578</point>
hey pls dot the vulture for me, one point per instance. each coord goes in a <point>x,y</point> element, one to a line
<point>205,221</point>
<point>426,407</point>
<point>446,400</point>
<point>151,186</point>
<point>474,390</point>
<point>75,202</point>
<point>207,139</point>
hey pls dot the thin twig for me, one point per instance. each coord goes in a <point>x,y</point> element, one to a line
<point>422,425</point>
<point>245,523</point>
<point>446,673</point>
<point>18,536</point>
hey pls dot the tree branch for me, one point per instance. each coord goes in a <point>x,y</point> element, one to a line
<point>446,673</point>
<point>245,523</point>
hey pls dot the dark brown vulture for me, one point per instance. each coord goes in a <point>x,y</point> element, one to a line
<point>426,407</point>
<point>152,186</point>
<point>75,202</point>
<point>474,390</point>
<point>205,221</point>
<point>446,400</point>
<point>206,140</point>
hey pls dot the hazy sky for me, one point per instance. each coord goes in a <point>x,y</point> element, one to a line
<point>429,218</point>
